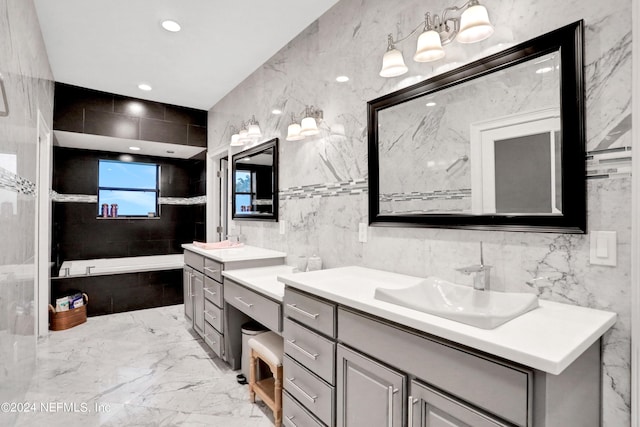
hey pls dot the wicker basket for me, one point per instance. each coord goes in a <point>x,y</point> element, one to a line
<point>68,319</point>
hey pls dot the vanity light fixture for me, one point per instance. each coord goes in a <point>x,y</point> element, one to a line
<point>307,127</point>
<point>249,131</point>
<point>253,131</point>
<point>471,26</point>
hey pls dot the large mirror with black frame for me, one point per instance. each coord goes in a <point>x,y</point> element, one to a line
<point>495,144</point>
<point>255,183</point>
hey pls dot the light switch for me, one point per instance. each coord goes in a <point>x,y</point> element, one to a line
<point>362,232</point>
<point>603,248</point>
<point>283,226</point>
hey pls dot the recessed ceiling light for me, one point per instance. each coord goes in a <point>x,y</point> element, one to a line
<point>134,148</point>
<point>430,104</point>
<point>144,86</point>
<point>276,111</point>
<point>170,25</point>
<point>342,79</point>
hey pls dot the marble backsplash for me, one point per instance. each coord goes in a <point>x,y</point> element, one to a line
<point>350,40</point>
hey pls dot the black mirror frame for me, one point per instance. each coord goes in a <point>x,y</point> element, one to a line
<point>569,41</point>
<point>250,152</point>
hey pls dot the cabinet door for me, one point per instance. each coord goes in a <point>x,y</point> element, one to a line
<point>188,293</point>
<point>429,407</point>
<point>197,285</point>
<point>368,393</point>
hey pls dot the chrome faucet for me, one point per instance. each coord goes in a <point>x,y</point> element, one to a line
<point>481,272</point>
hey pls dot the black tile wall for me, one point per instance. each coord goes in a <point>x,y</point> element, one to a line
<point>124,292</point>
<point>79,234</point>
<point>163,131</point>
<point>111,124</point>
<point>83,110</point>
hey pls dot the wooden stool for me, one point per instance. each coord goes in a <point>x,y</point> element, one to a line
<point>268,347</point>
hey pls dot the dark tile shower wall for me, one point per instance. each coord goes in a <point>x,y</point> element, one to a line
<point>81,110</point>
<point>79,234</point>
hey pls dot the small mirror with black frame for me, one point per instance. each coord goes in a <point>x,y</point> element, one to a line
<point>497,144</point>
<point>255,183</point>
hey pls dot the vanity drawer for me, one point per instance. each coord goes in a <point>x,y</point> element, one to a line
<point>254,305</point>
<point>213,291</point>
<point>312,350</point>
<point>194,260</point>
<point>316,314</point>
<point>213,339</point>
<point>295,415</point>
<point>309,390</point>
<point>498,387</point>
<point>213,269</point>
<point>213,315</point>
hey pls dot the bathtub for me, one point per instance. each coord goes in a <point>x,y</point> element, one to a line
<point>116,285</point>
<point>121,265</point>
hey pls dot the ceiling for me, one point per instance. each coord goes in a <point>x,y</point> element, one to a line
<point>115,45</point>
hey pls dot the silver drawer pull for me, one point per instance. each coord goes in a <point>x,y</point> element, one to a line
<point>245,303</point>
<point>301,311</point>
<point>313,356</point>
<point>210,291</point>
<point>211,270</point>
<point>412,402</point>
<point>290,421</point>
<point>206,313</point>
<point>306,395</point>
<point>391,391</point>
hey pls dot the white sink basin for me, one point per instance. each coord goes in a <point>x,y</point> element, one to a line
<point>482,309</point>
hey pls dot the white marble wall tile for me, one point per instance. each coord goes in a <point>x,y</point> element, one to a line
<point>350,39</point>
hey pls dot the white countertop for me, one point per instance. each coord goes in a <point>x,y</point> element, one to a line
<point>548,338</point>
<point>263,280</point>
<point>244,253</point>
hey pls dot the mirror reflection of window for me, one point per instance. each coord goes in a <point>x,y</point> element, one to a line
<point>245,190</point>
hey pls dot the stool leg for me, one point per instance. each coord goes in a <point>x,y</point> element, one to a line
<point>252,376</point>
<point>277,411</point>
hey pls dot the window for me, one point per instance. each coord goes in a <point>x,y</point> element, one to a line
<point>245,190</point>
<point>131,186</point>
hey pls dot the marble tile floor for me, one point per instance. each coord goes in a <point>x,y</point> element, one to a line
<point>140,368</point>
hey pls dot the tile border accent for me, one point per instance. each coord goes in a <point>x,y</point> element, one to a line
<point>609,164</point>
<point>331,189</point>
<point>455,194</point>
<point>16,184</point>
<point>88,198</point>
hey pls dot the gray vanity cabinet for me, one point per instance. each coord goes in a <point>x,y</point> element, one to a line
<point>429,407</point>
<point>309,331</point>
<point>193,277</point>
<point>368,393</point>
<point>197,286</point>
<point>188,293</point>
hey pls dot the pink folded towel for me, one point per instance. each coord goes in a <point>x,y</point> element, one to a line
<point>225,244</point>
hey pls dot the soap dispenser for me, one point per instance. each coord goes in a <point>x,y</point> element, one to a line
<point>314,263</point>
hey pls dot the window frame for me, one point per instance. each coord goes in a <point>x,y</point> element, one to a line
<point>155,190</point>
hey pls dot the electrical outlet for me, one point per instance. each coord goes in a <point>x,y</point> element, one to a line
<point>362,232</point>
<point>283,227</point>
